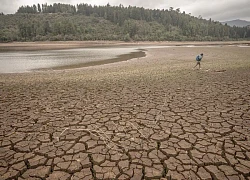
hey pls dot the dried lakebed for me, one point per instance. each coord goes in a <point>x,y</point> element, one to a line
<point>150,118</point>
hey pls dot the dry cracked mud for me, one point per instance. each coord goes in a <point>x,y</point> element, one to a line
<point>148,118</point>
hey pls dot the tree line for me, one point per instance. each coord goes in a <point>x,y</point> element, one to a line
<point>87,22</point>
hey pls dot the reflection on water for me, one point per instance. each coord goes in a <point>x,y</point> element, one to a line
<point>16,62</point>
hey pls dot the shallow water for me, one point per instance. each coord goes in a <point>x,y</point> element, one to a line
<point>26,61</point>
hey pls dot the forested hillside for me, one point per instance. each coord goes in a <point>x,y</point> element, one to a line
<point>86,22</point>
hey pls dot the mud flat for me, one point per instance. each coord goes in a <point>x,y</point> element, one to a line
<point>146,118</point>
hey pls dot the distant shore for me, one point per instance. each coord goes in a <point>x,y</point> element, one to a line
<point>57,45</point>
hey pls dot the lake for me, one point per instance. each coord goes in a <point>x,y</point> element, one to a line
<point>26,61</point>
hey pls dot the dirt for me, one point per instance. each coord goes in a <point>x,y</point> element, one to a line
<point>154,117</point>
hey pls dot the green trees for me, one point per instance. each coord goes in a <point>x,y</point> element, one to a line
<point>86,22</point>
<point>27,9</point>
<point>55,8</point>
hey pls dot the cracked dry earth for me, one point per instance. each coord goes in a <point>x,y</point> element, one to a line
<point>149,118</point>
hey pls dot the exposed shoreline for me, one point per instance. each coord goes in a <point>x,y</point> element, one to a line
<point>58,45</point>
<point>37,46</point>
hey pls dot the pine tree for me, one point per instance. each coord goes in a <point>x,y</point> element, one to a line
<point>39,8</point>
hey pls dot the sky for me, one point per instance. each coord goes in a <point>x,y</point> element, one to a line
<point>218,10</point>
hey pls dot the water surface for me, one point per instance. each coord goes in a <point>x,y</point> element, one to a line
<point>26,61</point>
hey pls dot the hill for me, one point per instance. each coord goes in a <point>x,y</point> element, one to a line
<point>86,22</point>
<point>237,23</point>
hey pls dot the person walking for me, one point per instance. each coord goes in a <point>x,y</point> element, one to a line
<point>198,60</point>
